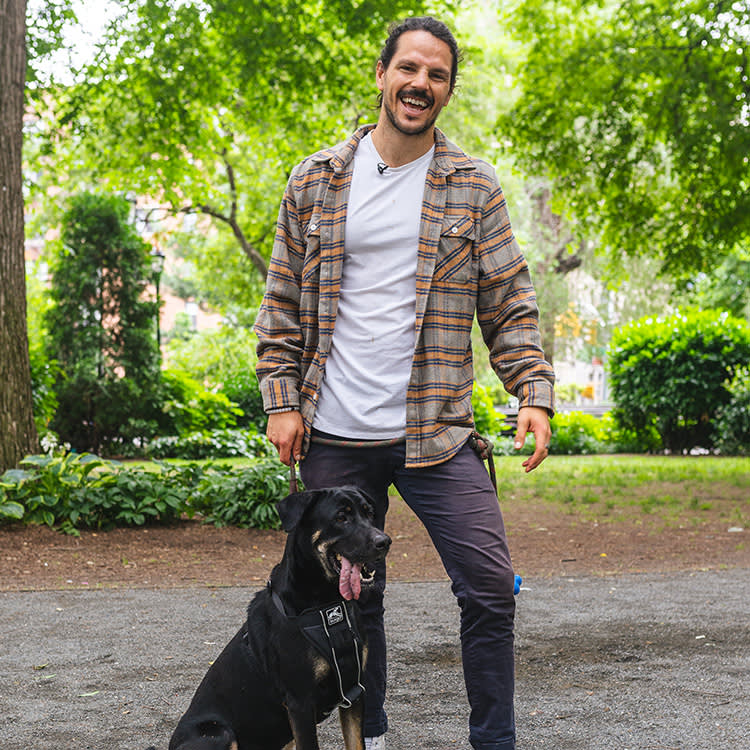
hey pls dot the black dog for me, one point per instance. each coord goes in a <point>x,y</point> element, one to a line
<point>302,650</point>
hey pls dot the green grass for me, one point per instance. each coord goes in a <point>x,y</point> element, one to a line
<point>607,488</point>
<point>674,490</point>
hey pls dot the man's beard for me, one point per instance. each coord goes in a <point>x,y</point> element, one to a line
<point>401,129</point>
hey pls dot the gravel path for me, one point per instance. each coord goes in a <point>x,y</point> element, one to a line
<point>656,662</point>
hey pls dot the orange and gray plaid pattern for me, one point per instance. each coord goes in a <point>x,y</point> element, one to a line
<point>468,263</point>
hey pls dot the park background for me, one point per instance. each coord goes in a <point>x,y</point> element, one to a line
<point>157,137</point>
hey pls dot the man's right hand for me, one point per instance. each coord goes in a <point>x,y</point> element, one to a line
<point>286,431</point>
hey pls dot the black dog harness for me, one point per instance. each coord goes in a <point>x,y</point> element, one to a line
<point>332,630</point>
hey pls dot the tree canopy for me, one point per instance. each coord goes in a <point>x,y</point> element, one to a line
<point>207,105</point>
<point>639,111</point>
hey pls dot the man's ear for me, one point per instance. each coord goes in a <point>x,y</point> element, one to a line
<point>293,507</point>
<point>379,75</point>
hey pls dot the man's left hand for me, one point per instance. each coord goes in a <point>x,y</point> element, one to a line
<point>533,419</point>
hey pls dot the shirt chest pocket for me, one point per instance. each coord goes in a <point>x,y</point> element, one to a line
<point>455,249</point>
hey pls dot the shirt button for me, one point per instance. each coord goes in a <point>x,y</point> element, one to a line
<point>454,230</point>
<point>313,227</point>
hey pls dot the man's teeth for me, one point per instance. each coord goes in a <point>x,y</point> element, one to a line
<point>415,102</point>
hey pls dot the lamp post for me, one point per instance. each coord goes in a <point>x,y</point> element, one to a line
<point>157,266</point>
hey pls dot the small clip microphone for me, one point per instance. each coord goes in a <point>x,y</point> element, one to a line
<point>382,167</point>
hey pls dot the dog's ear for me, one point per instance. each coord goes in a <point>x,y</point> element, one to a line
<point>293,507</point>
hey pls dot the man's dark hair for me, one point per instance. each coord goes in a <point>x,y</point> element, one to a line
<point>421,23</point>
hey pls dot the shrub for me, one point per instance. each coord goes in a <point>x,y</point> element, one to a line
<point>224,360</point>
<point>215,444</point>
<point>243,389</point>
<point>487,420</point>
<point>576,432</point>
<point>733,418</point>
<point>619,439</point>
<point>245,498</point>
<point>113,414</point>
<point>671,374</point>
<point>192,408</point>
<point>84,491</point>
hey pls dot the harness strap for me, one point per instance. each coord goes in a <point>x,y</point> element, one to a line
<point>332,631</point>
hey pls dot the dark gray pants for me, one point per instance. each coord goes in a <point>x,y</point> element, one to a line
<point>457,504</point>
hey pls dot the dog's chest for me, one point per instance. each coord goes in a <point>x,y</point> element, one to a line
<point>332,651</point>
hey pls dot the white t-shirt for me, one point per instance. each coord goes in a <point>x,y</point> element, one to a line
<point>363,393</point>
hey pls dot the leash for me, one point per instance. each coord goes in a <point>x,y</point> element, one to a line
<point>292,478</point>
<point>483,448</point>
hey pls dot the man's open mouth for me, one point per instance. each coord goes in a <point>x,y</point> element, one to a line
<point>417,102</point>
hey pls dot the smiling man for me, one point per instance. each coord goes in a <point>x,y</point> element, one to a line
<point>387,246</point>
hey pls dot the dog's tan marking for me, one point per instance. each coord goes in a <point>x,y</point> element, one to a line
<point>351,727</point>
<point>321,667</point>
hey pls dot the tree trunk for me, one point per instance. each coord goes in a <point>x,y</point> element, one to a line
<point>18,435</point>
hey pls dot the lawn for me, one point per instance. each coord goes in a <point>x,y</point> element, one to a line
<point>675,489</point>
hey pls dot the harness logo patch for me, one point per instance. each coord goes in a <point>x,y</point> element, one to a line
<point>334,615</point>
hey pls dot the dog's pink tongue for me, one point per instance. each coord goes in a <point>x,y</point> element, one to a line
<point>350,584</point>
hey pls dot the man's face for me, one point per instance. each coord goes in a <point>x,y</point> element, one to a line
<point>417,83</point>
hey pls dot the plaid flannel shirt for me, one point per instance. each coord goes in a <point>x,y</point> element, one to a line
<point>468,263</point>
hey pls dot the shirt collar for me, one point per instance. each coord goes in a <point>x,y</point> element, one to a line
<point>448,157</point>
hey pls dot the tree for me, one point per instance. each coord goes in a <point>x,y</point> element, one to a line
<point>639,112</point>
<point>206,106</point>
<point>101,328</point>
<point>18,435</point>
<point>17,429</point>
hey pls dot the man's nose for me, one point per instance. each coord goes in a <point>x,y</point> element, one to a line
<point>421,79</point>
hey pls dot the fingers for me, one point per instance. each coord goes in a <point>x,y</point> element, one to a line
<point>536,458</point>
<point>286,431</point>
<point>536,420</point>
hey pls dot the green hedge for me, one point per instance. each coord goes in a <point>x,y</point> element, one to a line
<point>672,374</point>
<point>84,491</point>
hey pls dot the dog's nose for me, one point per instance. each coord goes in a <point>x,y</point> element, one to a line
<point>382,542</point>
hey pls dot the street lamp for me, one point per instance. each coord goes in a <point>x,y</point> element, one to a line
<point>157,266</point>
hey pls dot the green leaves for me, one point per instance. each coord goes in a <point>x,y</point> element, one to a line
<point>84,491</point>
<point>671,373</point>
<point>639,110</point>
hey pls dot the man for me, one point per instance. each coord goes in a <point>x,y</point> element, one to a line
<point>386,246</point>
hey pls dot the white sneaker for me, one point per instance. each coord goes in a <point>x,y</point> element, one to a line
<point>375,743</point>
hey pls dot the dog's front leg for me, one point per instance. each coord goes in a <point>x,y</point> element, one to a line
<point>351,726</point>
<point>304,727</point>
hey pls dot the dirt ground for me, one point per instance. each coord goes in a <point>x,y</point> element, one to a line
<point>545,542</point>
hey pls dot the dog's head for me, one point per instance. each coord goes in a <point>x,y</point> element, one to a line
<point>337,523</point>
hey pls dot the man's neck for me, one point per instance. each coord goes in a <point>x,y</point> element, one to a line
<point>396,148</point>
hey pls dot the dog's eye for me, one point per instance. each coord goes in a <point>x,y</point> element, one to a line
<point>368,510</point>
<point>343,515</point>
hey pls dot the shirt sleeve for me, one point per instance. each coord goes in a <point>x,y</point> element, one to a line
<point>507,309</point>
<point>277,326</point>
